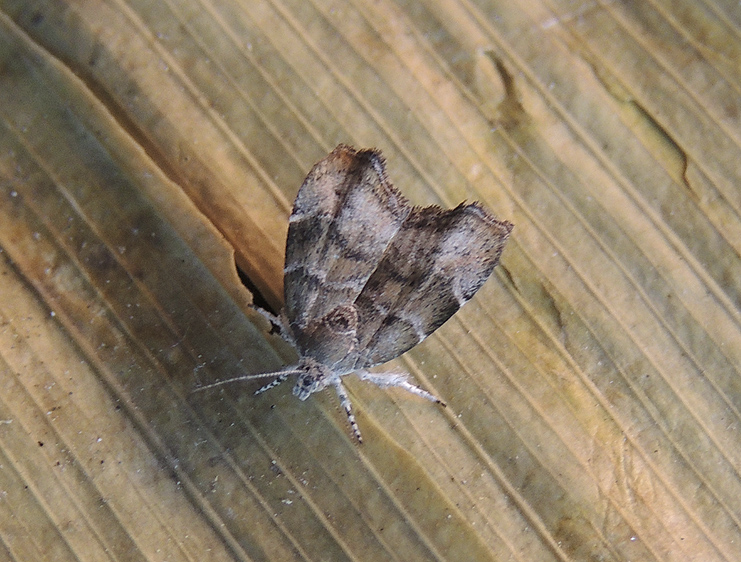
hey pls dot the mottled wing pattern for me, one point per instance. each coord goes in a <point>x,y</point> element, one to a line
<point>345,215</point>
<point>435,263</point>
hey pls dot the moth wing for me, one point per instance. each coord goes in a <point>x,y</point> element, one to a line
<point>345,215</point>
<point>435,263</point>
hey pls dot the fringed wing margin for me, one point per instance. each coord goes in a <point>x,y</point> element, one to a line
<point>435,263</point>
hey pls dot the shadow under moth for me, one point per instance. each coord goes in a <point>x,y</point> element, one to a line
<point>368,276</point>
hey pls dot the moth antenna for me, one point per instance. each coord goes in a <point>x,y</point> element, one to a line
<point>279,376</point>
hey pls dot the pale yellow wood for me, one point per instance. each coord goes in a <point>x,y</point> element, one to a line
<point>592,385</point>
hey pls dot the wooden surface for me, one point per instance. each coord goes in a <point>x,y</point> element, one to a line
<point>593,385</point>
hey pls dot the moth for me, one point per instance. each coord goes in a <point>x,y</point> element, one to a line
<point>368,276</point>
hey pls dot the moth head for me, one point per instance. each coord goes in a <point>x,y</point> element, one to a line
<point>313,378</point>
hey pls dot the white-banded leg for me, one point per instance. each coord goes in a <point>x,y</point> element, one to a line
<point>387,380</point>
<point>347,405</point>
<point>272,384</point>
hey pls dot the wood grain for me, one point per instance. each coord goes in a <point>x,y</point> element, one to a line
<point>593,385</point>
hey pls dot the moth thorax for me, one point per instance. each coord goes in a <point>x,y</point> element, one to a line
<point>329,339</point>
<point>313,378</point>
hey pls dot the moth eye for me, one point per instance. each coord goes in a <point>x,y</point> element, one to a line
<point>306,385</point>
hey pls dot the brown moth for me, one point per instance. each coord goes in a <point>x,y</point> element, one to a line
<point>368,276</point>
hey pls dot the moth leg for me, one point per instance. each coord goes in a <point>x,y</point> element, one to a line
<point>347,405</point>
<point>280,321</point>
<point>387,380</point>
<point>272,384</point>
